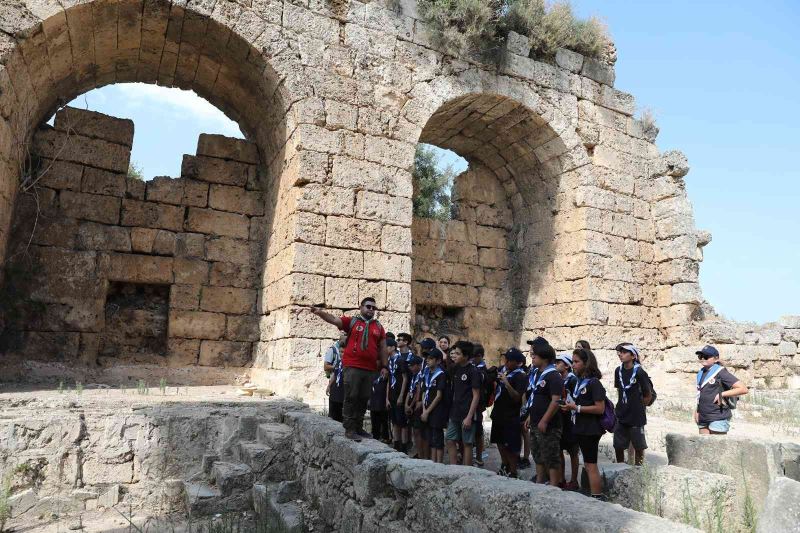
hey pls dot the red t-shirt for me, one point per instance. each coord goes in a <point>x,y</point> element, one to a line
<point>353,356</point>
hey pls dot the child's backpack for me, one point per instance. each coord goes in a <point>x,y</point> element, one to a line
<point>609,418</point>
<point>489,387</point>
<point>730,403</point>
<point>653,395</point>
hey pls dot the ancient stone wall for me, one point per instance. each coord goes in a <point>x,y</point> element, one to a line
<point>336,97</point>
<point>116,270</point>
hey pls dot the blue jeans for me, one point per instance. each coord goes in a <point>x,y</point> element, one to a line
<point>717,426</point>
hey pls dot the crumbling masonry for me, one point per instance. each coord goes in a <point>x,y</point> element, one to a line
<point>570,222</point>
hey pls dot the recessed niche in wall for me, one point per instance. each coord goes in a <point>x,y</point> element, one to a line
<point>435,320</point>
<point>136,321</point>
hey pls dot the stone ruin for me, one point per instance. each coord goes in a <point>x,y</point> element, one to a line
<point>569,221</point>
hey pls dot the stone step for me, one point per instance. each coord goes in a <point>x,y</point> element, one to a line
<point>285,516</point>
<point>203,500</point>
<point>208,462</point>
<point>231,477</point>
<point>274,435</point>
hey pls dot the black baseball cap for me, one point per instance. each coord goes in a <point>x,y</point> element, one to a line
<point>414,360</point>
<point>427,344</point>
<point>708,351</point>
<point>538,341</point>
<point>513,354</point>
<point>434,352</point>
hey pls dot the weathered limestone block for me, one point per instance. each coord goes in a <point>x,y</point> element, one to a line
<point>232,275</point>
<point>212,222</point>
<point>236,200</point>
<point>152,215</point>
<point>230,250</point>
<point>223,147</point>
<point>196,324</point>
<point>98,153</point>
<point>242,328</point>
<point>190,245</point>
<point>325,200</point>
<point>214,170</point>
<point>341,293</point>
<point>59,174</point>
<point>395,240</point>
<point>92,236</point>
<point>353,233</point>
<point>93,207</point>
<point>228,300</point>
<point>184,296</point>
<point>332,261</point>
<point>598,71</point>
<point>753,464</point>
<point>192,271</point>
<point>781,512</point>
<point>139,268</point>
<point>182,352</point>
<point>93,124</point>
<point>97,181</point>
<point>164,243</point>
<point>224,353</point>
<point>296,288</point>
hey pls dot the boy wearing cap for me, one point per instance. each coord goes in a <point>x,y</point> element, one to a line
<point>506,430</point>
<point>633,394</point>
<point>543,397</point>
<point>396,396</point>
<point>569,442</point>
<point>417,369</point>
<point>378,414</point>
<point>478,354</point>
<point>434,410</point>
<point>466,390</point>
<point>716,387</point>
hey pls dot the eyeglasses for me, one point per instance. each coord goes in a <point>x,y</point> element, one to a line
<point>704,356</point>
<point>371,307</point>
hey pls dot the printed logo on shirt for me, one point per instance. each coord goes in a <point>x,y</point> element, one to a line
<point>712,381</point>
<point>582,392</point>
<point>359,328</point>
<point>633,380</point>
<point>463,377</point>
<point>541,384</point>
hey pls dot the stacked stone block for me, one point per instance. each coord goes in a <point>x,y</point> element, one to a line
<point>85,224</point>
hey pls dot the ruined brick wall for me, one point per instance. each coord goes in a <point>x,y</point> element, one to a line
<point>603,244</point>
<point>120,270</point>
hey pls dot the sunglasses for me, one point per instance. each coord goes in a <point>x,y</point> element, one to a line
<point>371,307</point>
<point>704,356</point>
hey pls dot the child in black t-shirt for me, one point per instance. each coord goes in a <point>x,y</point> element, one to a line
<point>413,407</point>
<point>587,406</point>
<point>465,387</point>
<point>542,408</point>
<point>716,389</point>
<point>396,397</point>
<point>335,391</point>
<point>634,393</point>
<point>434,409</point>
<point>377,411</point>
<point>506,429</point>
<point>477,360</point>
<point>569,443</point>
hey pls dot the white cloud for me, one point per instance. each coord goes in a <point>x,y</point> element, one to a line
<point>177,102</point>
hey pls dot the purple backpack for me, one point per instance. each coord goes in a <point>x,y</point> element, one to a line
<point>609,418</point>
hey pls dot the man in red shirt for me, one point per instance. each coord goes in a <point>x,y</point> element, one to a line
<point>363,355</point>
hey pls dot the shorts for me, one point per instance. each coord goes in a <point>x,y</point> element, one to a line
<point>717,426</point>
<point>589,445</point>
<point>546,447</point>
<point>398,416</point>
<point>455,431</point>
<point>624,436</point>
<point>415,421</point>
<point>435,437</point>
<point>507,433</point>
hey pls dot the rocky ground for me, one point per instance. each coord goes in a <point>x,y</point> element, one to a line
<point>763,414</point>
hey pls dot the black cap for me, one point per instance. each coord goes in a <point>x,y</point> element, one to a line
<point>708,351</point>
<point>513,354</point>
<point>435,353</point>
<point>414,360</point>
<point>427,344</point>
<point>391,342</point>
<point>538,341</point>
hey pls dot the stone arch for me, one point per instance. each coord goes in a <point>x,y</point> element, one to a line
<point>514,203</point>
<point>51,52</point>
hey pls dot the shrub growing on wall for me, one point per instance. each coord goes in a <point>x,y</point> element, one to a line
<point>477,27</point>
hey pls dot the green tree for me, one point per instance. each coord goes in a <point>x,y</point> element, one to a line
<point>135,171</point>
<point>432,185</point>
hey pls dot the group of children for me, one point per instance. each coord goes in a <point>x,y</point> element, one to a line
<point>557,404</point>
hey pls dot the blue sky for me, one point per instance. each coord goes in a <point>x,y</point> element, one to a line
<point>722,79</point>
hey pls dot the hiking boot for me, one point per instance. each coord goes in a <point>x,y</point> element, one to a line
<point>601,497</point>
<point>352,435</point>
<point>363,434</point>
<point>572,486</point>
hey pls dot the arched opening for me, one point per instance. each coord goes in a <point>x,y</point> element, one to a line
<point>106,253</point>
<point>488,274</point>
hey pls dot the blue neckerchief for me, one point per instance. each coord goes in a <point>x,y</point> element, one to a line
<point>630,384</point>
<point>570,375</point>
<point>534,381</point>
<point>500,386</point>
<point>576,392</point>
<point>338,369</point>
<point>715,369</point>
<point>421,375</point>
<point>482,364</point>
<point>428,380</point>
<point>393,369</point>
<point>408,355</point>
<point>375,383</point>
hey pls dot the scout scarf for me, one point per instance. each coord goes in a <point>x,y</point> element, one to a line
<point>430,378</point>
<point>393,368</point>
<point>567,379</point>
<point>500,386</point>
<point>365,334</point>
<point>580,388</point>
<point>534,381</point>
<point>630,384</point>
<point>711,374</point>
<point>338,369</point>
